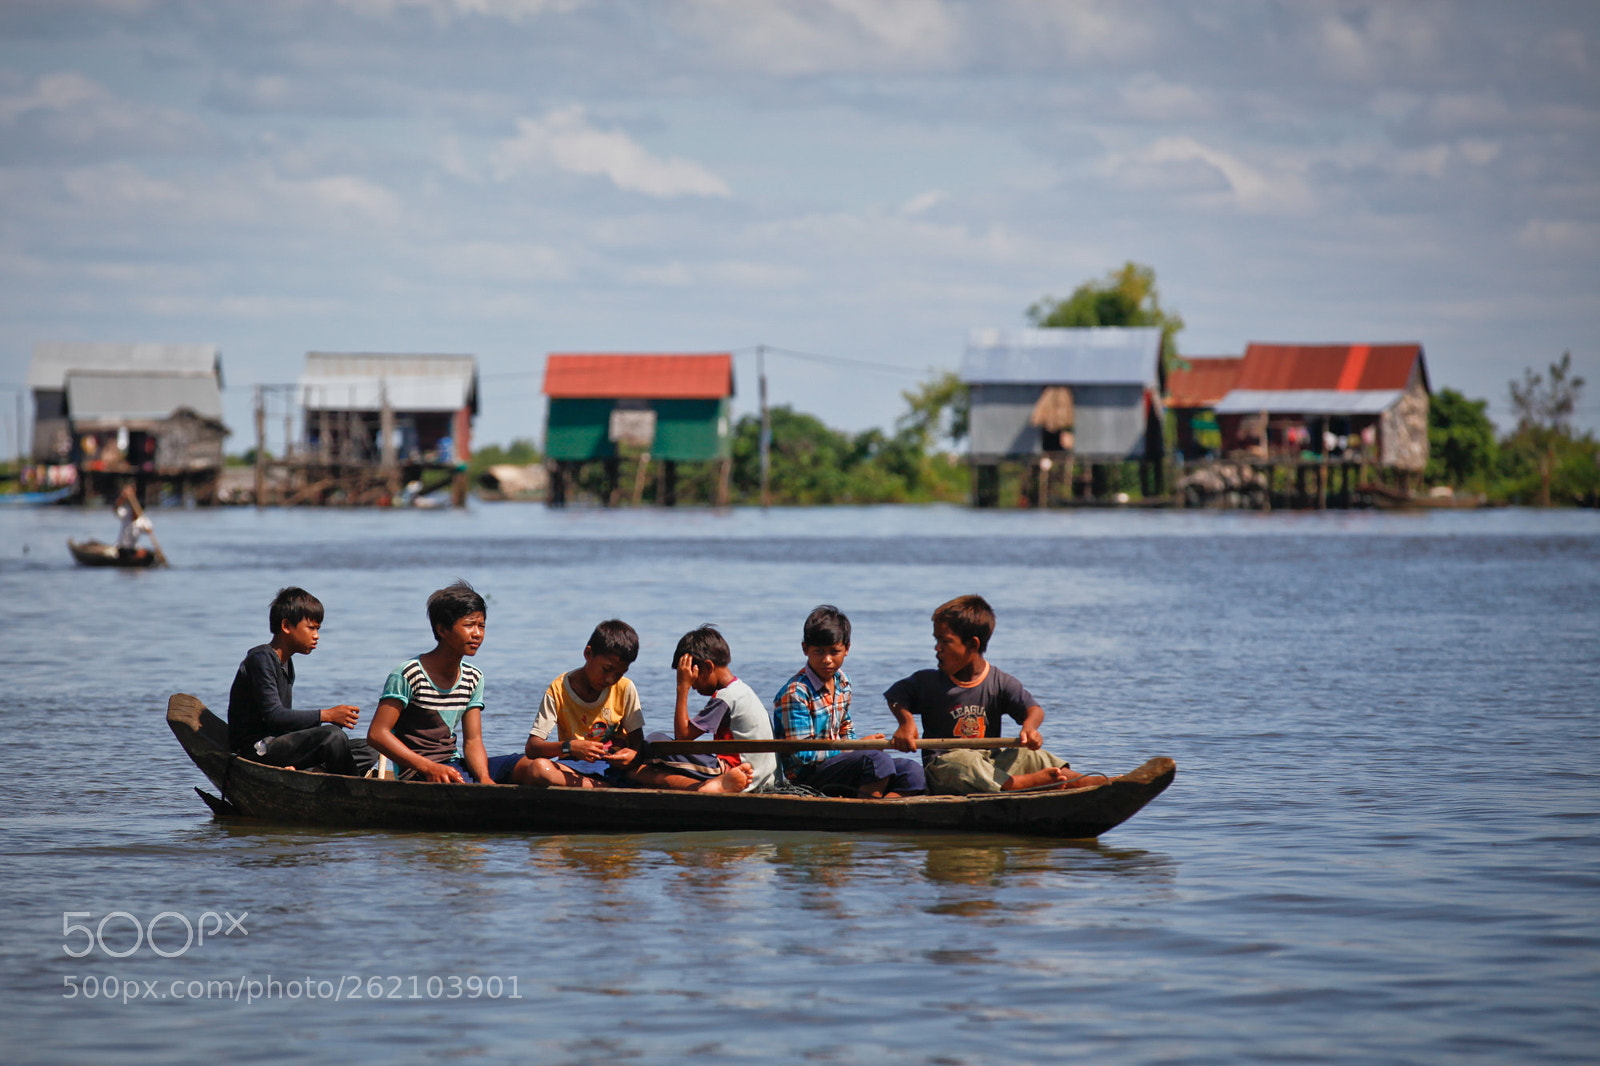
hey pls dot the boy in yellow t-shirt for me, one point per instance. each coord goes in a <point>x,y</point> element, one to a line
<point>594,711</point>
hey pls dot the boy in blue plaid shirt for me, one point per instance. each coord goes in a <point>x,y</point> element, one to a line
<point>815,704</point>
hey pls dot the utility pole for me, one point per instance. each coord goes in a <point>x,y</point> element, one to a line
<point>766,429</point>
<point>261,445</point>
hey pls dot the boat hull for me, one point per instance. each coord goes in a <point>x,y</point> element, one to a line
<point>96,553</point>
<point>253,790</point>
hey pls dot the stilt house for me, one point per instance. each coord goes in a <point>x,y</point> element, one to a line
<point>120,414</point>
<point>1089,396</point>
<point>1353,403</point>
<point>663,409</point>
<point>418,407</point>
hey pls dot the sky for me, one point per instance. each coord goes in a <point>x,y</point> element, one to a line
<point>863,181</point>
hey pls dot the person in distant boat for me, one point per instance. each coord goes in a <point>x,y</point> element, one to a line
<point>425,699</point>
<point>966,697</point>
<point>262,722</point>
<point>815,705</point>
<point>594,711</point>
<point>134,525</point>
<point>733,712</point>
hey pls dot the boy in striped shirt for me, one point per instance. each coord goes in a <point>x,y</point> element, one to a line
<point>426,698</point>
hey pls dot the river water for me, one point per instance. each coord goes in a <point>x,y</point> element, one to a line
<point>1380,846</point>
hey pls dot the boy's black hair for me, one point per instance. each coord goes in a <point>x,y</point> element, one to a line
<point>615,637</point>
<point>293,605</point>
<point>826,626</point>
<point>703,645</point>
<point>453,603</point>
<point>967,617</point>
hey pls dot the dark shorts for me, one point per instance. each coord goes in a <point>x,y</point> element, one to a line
<point>598,769</point>
<point>500,767</point>
<point>844,773</point>
<point>704,767</point>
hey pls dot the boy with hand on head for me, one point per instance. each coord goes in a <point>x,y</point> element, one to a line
<point>965,697</point>
<point>733,712</point>
<point>595,712</point>
<point>815,704</point>
<point>262,722</point>
<point>425,698</point>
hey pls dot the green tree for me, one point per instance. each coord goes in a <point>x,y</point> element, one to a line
<point>1544,416</point>
<point>1125,297</point>
<point>936,411</point>
<point>1461,441</point>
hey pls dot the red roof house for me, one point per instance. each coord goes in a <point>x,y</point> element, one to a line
<point>1368,401</point>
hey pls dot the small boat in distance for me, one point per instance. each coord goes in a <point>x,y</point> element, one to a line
<point>35,499</point>
<point>98,553</point>
<point>269,793</point>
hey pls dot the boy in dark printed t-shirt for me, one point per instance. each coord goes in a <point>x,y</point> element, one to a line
<point>968,697</point>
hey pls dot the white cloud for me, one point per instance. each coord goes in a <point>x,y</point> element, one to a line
<point>1151,98</point>
<point>564,138</point>
<point>66,114</point>
<point>802,37</point>
<point>1562,236</point>
<point>1185,166</point>
<point>924,201</point>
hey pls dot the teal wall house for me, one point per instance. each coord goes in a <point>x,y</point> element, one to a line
<point>674,408</point>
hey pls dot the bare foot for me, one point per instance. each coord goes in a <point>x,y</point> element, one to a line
<point>733,779</point>
<point>1055,777</point>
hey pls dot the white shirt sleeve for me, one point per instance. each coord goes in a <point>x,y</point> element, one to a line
<point>546,718</point>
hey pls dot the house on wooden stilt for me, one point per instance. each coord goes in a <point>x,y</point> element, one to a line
<point>616,418</point>
<point>1071,407</point>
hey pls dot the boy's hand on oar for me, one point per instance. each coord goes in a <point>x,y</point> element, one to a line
<point>1030,738</point>
<point>905,738</point>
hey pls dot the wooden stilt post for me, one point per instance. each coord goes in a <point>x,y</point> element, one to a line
<point>638,478</point>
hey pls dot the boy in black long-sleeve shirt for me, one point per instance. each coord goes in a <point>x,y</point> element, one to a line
<point>262,722</point>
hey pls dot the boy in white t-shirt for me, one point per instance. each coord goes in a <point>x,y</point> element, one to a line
<point>733,712</point>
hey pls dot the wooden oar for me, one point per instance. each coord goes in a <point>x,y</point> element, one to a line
<point>138,512</point>
<point>741,747</point>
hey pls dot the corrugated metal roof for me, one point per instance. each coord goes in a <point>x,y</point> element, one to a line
<point>670,376</point>
<point>1308,401</point>
<point>1205,382</point>
<point>1336,367</point>
<point>112,397</point>
<point>1105,356</point>
<point>358,381</point>
<point>53,360</point>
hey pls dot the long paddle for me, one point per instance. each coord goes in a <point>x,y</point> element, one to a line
<point>739,747</point>
<point>138,512</point>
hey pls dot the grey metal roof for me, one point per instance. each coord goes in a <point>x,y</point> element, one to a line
<point>103,396</point>
<point>1308,401</point>
<point>358,381</point>
<point>53,360</point>
<point>1106,356</point>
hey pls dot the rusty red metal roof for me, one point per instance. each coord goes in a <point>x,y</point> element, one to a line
<point>660,376</point>
<point>1330,367</point>
<point>1207,380</point>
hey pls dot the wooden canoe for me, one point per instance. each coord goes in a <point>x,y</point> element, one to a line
<point>96,553</point>
<point>253,790</point>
